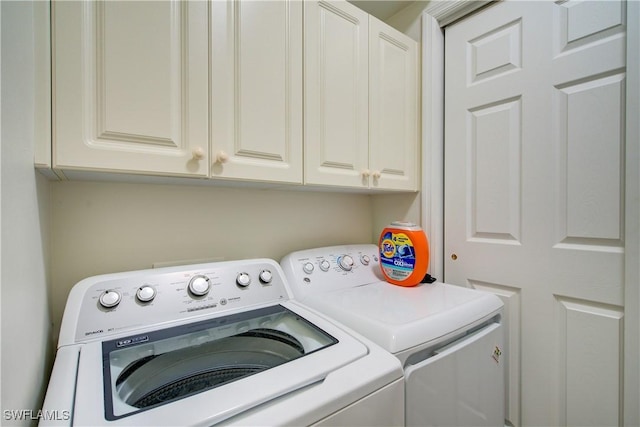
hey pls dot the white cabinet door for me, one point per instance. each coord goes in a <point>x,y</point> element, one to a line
<point>256,90</point>
<point>130,88</point>
<point>336,94</point>
<point>393,108</point>
<point>361,111</point>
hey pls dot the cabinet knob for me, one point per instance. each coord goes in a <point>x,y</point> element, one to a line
<point>198,153</point>
<point>366,173</point>
<point>222,157</point>
<point>377,175</point>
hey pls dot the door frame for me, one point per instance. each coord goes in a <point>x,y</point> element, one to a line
<point>432,197</point>
<point>631,402</point>
<point>434,18</point>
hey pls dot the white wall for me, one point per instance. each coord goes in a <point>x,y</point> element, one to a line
<point>25,222</point>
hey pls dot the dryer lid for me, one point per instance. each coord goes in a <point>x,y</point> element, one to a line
<point>398,318</point>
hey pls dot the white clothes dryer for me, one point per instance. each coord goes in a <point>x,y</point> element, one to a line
<point>448,338</point>
<point>218,343</point>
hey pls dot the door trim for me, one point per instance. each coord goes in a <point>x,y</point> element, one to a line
<point>433,140</point>
<point>434,18</point>
<point>631,384</point>
<point>446,12</point>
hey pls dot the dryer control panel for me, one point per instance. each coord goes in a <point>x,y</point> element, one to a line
<point>322,270</point>
<point>115,303</point>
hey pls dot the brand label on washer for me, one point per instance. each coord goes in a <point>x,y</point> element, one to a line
<point>131,341</point>
<point>397,255</point>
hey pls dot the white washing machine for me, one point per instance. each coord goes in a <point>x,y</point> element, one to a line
<point>448,338</point>
<point>207,344</point>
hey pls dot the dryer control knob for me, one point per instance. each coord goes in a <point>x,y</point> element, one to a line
<point>364,259</point>
<point>308,267</point>
<point>145,293</point>
<point>243,280</point>
<point>345,262</point>
<point>110,298</point>
<point>199,285</point>
<point>265,276</point>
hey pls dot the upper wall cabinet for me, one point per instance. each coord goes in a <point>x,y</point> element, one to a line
<point>136,88</point>
<point>130,86</point>
<point>214,89</point>
<point>336,109</point>
<point>361,100</point>
<point>256,90</point>
<point>393,108</point>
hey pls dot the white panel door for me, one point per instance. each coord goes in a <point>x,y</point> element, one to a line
<point>336,105</point>
<point>130,89</point>
<point>393,108</point>
<point>534,206</point>
<point>256,90</point>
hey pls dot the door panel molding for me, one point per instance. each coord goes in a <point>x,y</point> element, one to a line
<point>494,193</point>
<point>593,373</point>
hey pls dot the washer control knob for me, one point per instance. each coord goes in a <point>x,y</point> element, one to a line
<point>308,267</point>
<point>110,298</point>
<point>324,265</point>
<point>243,280</point>
<point>345,262</point>
<point>265,276</point>
<point>145,293</point>
<point>365,260</point>
<point>199,285</point>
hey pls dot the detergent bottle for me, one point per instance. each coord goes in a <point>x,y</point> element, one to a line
<point>404,253</point>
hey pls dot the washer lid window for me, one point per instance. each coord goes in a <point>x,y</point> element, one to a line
<point>149,370</point>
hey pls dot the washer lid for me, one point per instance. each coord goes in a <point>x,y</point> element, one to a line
<point>154,380</point>
<point>398,318</point>
<point>307,388</point>
<point>152,369</point>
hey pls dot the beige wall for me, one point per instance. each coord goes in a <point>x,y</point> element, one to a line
<point>109,227</point>
<point>394,207</point>
<point>409,19</point>
<point>26,346</point>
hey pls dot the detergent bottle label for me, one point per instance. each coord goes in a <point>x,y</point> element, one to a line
<point>397,255</point>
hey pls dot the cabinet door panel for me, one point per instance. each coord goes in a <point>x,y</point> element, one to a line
<point>130,86</point>
<point>336,94</point>
<point>256,80</point>
<point>393,108</point>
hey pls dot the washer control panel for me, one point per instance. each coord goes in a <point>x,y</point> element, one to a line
<point>115,303</point>
<point>331,268</point>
